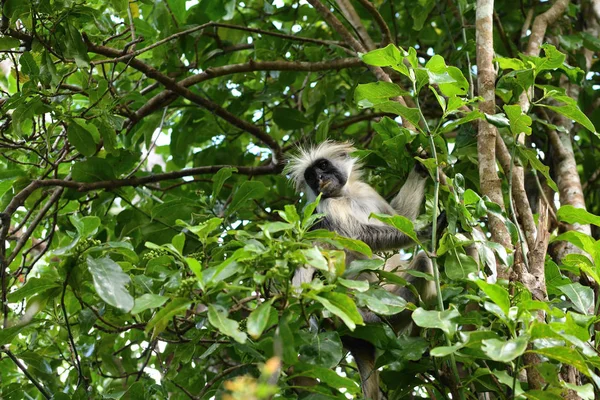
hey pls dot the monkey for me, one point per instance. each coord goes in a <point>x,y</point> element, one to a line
<point>347,202</point>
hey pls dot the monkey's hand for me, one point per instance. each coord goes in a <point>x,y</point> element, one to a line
<point>421,170</point>
<point>441,224</point>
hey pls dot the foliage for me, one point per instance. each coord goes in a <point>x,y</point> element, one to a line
<point>149,237</point>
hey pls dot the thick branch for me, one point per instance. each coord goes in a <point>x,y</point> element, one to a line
<point>486,137</point>
<point>518,192</point>
<point>540,24</point>
<point>386,35</point>
<point>144,180</point>
<point>350,13</point>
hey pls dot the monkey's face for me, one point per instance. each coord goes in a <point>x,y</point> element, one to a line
<point>324,177</point>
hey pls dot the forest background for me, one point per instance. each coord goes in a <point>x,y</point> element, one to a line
<point>148,234</point>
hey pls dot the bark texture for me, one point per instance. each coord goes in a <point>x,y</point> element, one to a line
<point>489,181</point>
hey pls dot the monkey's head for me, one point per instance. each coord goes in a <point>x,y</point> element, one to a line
<point>325,168</point>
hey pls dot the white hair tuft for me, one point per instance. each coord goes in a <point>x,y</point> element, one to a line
<point>336,152</point>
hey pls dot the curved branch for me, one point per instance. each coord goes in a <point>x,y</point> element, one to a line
<point>144,180</point>
<point>540,24</point>
<point>354,20</point>
<point>386,35</point>
<point>165,98</point>
<point>335,23</point>
<point>174,86</point>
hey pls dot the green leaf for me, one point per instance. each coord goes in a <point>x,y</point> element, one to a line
<point>471,116</point>
<point>147,301</point>
<point>581,296</point>
<point>381,302</point>
<point>504,350</point>
<point>355,245</point>
<point>315,258</point>
<point>248,191</point>
<point>459,86</point>
<point>510,63</point>
<point>290,214</point>
<point>571,111</point>
<point>399,222</point>
<point>258,319</point>
<point>574,215</point>
<point>459,265</point>
<point>360,286</point>
<point>75,47</point>
<point>582,241</point>
<point>8,334</point>
<point>32,287</point>
<point>553,59</point>
<point>161,319</point>
<point>110,282</point>
<point>519,122</point>
<point>565,355</point>
<point>497,293</point>
<point>85,226</point>
<point>289,118</point>
<point>93,169</point>
<point>218,318</point>
<point>443,351</point>
<point>386,57</point>
<point>436,319</point>
<point>419,11</point>
<point>586,392</point>
<point>531,156</point>
<point>370,94</point>
<point>28,65</point>
<point>81,138</point>
<point>218,180</point>
<point>327,377</point>
<point>341,305</point>
<point>204,229</point>
<point>324,350</point>
<point>7,43</point>
<point>178,242</point>
<point>498,120</point>
<point>411,114</point>
<point>196,268</point>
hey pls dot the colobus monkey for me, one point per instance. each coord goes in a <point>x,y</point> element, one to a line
<point>347,202</point>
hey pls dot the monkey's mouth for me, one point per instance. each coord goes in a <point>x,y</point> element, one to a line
<point>323,185</point>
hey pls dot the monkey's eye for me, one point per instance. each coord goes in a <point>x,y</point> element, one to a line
<point>323,164</point>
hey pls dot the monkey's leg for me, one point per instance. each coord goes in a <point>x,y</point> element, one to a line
<point>364,355</point>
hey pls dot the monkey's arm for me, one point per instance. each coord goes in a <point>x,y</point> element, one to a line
<point>381,237</point>
<point>410,197</point>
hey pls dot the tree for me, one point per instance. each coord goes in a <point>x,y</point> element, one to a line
<point>148,235</point>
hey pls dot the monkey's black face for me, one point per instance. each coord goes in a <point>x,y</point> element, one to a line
<point>323,177</point>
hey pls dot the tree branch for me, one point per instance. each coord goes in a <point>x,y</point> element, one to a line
<point>139,181</point>
<point>166,97</point>
<point>491,185</point>
<point>174,86</point>
<point>386,35</point>
<point>350,13</point>
<point>27,374</point>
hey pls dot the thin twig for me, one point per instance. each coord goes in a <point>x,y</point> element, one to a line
<point>35,383</point>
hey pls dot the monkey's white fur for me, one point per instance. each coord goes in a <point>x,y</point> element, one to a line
<point>347,213</point>
<point>358,199</point>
